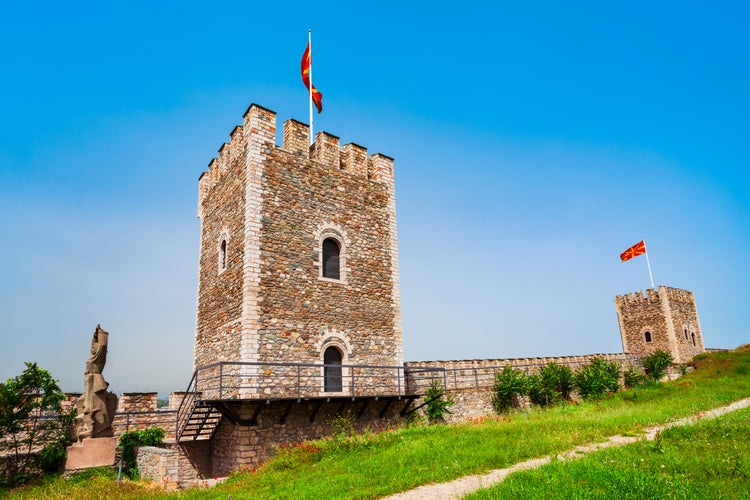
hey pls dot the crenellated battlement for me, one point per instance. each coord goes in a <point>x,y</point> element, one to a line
<point>655,296</point>
<point>259,129</point>
<point>640,297</point>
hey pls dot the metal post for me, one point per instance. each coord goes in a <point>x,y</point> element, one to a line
<point>221,379</point>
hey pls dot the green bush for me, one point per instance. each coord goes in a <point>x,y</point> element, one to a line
<point>437,402</point>
<point>553,383</point>
<point>655,364</point>
<point>52,457</point>
<point>510,384</point>
<point>598,378</point>
<point>130,440</point>
<point>634,377</point>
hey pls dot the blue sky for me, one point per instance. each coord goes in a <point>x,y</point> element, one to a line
<point>533,144</point>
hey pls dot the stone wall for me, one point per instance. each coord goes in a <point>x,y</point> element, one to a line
<point>469,382</point>
<point>235,446</point>
<point>269,209</point>
<point>664,319</point>
<point>175,466</point>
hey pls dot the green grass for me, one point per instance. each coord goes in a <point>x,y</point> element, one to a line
<point>374,465</point>
<point>708,460</point>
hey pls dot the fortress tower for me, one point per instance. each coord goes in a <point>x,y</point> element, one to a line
<point>298,251</point>
<point>665,319</point>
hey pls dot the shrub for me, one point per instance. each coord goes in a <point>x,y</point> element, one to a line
<point>52,457</point>
<point>598,378</point>
<point>31,417</point>
<point>553,383</point>
<point>510,384</point>
<point>130,440</point>
<point>655,364</point>
<point>634,377</point>
<point>437,402</point>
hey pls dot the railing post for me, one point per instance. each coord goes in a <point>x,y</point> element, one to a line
<point>299,382</point>
<point>351,390</point>
<point>398,379</point>
<point>476,378</point>
<point>221,379</point>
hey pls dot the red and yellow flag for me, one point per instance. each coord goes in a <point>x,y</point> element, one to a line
<point>634,251</point>
<point>317,97</point>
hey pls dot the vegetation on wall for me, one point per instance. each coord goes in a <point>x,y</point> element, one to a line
<point>437,403</point>
<point>510,385</point>
<point>130,440</point>
<point>597,378</point>
<point>31,417</point>
<point>553,383</point>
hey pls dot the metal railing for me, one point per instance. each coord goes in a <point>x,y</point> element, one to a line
<point>235,381</point>
<point>484,377</point>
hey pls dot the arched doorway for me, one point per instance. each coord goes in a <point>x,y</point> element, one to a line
<point>332,380</point>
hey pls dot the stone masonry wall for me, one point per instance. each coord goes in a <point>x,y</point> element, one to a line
<point>669,315</point>
<point>221,211</point>
<point>235,447</point>
<point>303,200</point>
<point>469,382</point>
<point>274,206</point>
<point>175,466</point>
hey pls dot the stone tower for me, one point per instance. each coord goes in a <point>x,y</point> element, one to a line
<point>665,319</point>
<point>298,251</point>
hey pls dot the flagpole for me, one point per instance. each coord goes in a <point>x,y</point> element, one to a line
<point>649,266</point>
<point>309,45</point>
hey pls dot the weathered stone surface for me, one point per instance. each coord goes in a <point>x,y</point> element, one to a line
<point>665,319</point>
<point>265,211</point>
<point>91,452</point>
<point>96,406</point>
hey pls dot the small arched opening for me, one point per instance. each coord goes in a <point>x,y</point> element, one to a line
<point>648,336</point>
<point>332,376</point>
<point>331,252</point>
<point>223,255</point>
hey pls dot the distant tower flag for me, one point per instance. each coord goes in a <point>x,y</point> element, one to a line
<point>634,251</point>
<point>315,95</point>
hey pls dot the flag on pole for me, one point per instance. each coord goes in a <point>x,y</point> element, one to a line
<point>317,97</point>
<point>634,251</point>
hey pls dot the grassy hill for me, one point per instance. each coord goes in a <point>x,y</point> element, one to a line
<point>374,465</point>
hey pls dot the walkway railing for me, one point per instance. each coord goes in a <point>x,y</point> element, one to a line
<point>247,381</point>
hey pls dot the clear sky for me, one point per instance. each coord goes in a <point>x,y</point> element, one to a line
<point>534,142</point>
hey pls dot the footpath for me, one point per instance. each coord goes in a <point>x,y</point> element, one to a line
<point>468,484</point>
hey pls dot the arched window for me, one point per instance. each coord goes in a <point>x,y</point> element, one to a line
<point>693,334</point>
<point>223,255</point>
<point>648,336</point>
<point>332,379</point>
<point>331,250</point>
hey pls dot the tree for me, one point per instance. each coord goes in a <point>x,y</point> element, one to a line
<point>31,419</point>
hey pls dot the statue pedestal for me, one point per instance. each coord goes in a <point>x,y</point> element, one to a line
<point>91,452</point>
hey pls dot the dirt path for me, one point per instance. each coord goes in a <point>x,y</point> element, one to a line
<point>468,484</point>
